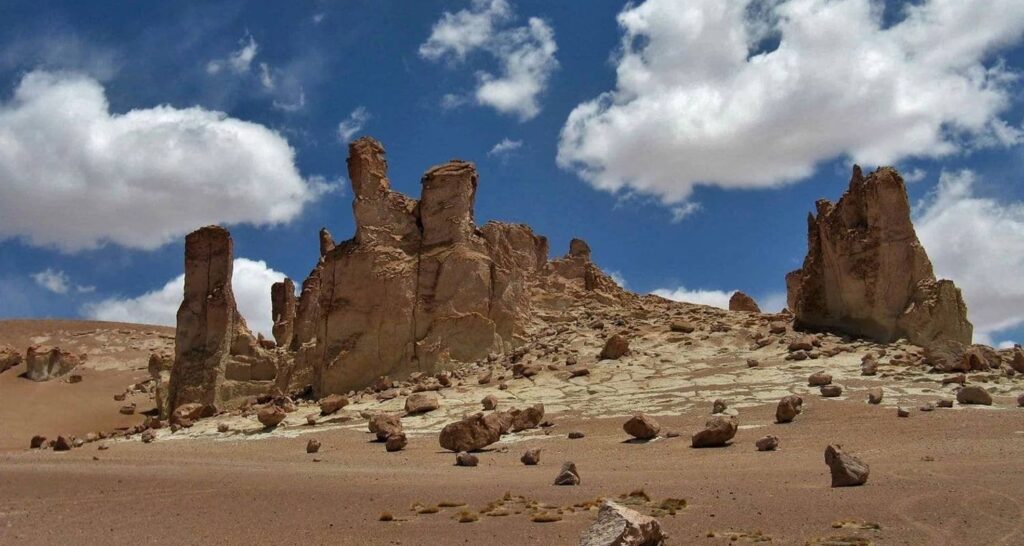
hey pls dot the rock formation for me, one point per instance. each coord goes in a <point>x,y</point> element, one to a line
<point>419,286</point>
<point>44,364</point>
<point>9,358</point>
<point>866,273</point>
<point>742,302</point>
<point>617,525</point>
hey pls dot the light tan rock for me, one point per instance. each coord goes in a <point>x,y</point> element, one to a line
<point>46,363</point>
<point>421,402</point>
<point>867,274</point>
<point>9,358</point>
<point>617,525</point>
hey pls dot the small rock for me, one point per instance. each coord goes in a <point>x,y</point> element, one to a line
<point>485,377</point>
<point>61,444</point>
<point>752,363</point>
<point>531,457</point>
<point>768,443</point>
<point>944,403</point>
<point>818,379</point>
<point>831,391</point>
<point>128,409</point>
<point>1020,400</point>
<point>875,396</point>
<point>271,416</point>
<point>395,442</point>
<point>642,427</point>
<point>902,412</point>
<point>576,435</point>
<point>789,407</point>
<point>311,419</point>
<point>579,371</point>
<point>846,469</point>
<point>421,402</point>
<point>803,343</point>
<point>615,348</point>
<point>617,525</point>
<point>927,407</point>
<point>717,432</point>
<point>719,406</point>
<point>223,427</point>
<point>869,367</point>
<point>384,425</point>
<point>37,442</point>
<point>958,379</point>
<point>148,437</point>
<point>681,326</point>
<point>466,459</point>
<point>525,419</point>
<point>489,402</point>
<point>974,394</point>
<point>332,403</point>
<point>313,445</point>
<point>568,475</point>
<point>777,327</point>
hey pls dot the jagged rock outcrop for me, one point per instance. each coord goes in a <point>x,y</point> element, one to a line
<point>160,365</point>
<point>44,364</point>
<point>282,301</point>
<point>216,357</point>
<point>866,273</point>
<point>742,302</point>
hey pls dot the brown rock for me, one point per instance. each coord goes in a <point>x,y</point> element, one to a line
<point>846,469</point>
<point>958,379</point>
<point>524,419</point>
<point>717,432</point>
<point>875,395</point>
<point>62,443</point>
<point>719,406</point>
<point>803,343</point>
<point>642,427</point>
<point>818,379</point>
<point>789,407</point>
<point>190,412</point>
<point>944,403</point>
<point>37,442</point>
<point>489,402</point>
<point>742,302</point>
<point>128,409</point>
<point>466,459</point>
<point>271,416</point>
<point>902,412</point>
<point>682,327</point>
<point>767,443</point>
<point>1020,400</point>
<point>313,445</point>
<point>615,348</point>
<point>617,525</point>
<point>1016,362</point>
<point>283,310</point>
<point>395,442</point>
<point>332,403</point>
<point>44,364</point>
<point>869,367</point>
<point>831,391</point>
<point>9,358</point>
<point>384,425</point>
<point>421,402</point>
<point>531,457</point>
<point>866,273</point>
<point>568,475</point>
<point>578,371</point>
<point>472,433</point>
<point>777,328</point>
<point>973,394</point>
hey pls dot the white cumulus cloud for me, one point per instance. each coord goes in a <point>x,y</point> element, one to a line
<point>714,298</point>
<point>525,54</point>
<point>506,146</point>
<point>978,242</point>
<point>354,123</point>
<point>250,282</point>
<point>703,96</point>
<point>75,175</point>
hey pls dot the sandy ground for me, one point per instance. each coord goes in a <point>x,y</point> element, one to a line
<point>949,476</point>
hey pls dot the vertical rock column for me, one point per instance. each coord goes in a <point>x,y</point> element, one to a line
<point>282,301</point>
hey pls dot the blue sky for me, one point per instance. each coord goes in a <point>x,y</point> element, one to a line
<point>685,141</point>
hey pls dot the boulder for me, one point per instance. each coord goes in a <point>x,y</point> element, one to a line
<point>313,445</point>
<point>818,379</point>
<point>62,443</point>
<point>831,391</point>
<point>719,406</point>
<point>846,469</point>
<point>1016,361</point>
<point>867,274</point>
<point>463,458</point>
<point>615,348</point>
<point>9,358</point>
<point>802,343</point>
<point>395,442</point>
<point>789,407</point>
<point>742,302</point>
<point>44,364</point>
<point>489,402</point>
<point>767,443</point>
<point>568,475</point>
<point>875,395</point>
<point>332,403</point>
<point>528,418</point>
<point>472,433</point>
<point>531,456</point>
<point>682,326</point>
<point>271,416</point>
<point>717,432</point>
<point>974,394</point>
<point>421,402</point>
<point>191,412</point>
<point>869,367</point>
<point>384,425</point>
<point>617,525</point>
<point>37,442</point>
<point>642,427</point>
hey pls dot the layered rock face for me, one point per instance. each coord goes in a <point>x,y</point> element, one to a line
<point>216,357</point>
<point>866,273</point>
<point>44,364</point>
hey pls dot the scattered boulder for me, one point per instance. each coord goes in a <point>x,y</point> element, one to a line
<point>959,379</point>
<point>973,394</point>
<point>271,416</point>
<point>818,379</point>
<point>62,443</point>
<point>37,442</point>
<point>44,364</point>
<point>313,445</point>
<point>466,459</point>
<point>777,327</point>
<point>531,456</point>
<point>789,407</point>
<point>568,475</point>
<point>472,433</point>
<point>576,435</point>
<point>802,343</point>
<point>395,442</point>
<point>946,356</point>
<point>223,427</point>
<point>617,525</point>
<point>642,427</point>
<point>615,348</point>
<point>332,403</point>
<point>421,402</point>
<point>902,412</point>
<point>944,403</point>
<point>1017,362</point>
<point>869,367</point>
<point>742,302</point>
<point>767,443</point>
<point>846,469</point>
<point>867,274</point>
<point>875,395</point>
<point>9,358</point>
<point>831,391</point>
<point>525,419</point>
<point>719,406</point>
<point>682,327</point>
<point>384,425</point>
<point>489,402</point>
<point>1020,400</point>
<point>753,363</point>
<point>717,432</point>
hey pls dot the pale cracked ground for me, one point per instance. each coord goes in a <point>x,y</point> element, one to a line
<point>943,477</point>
